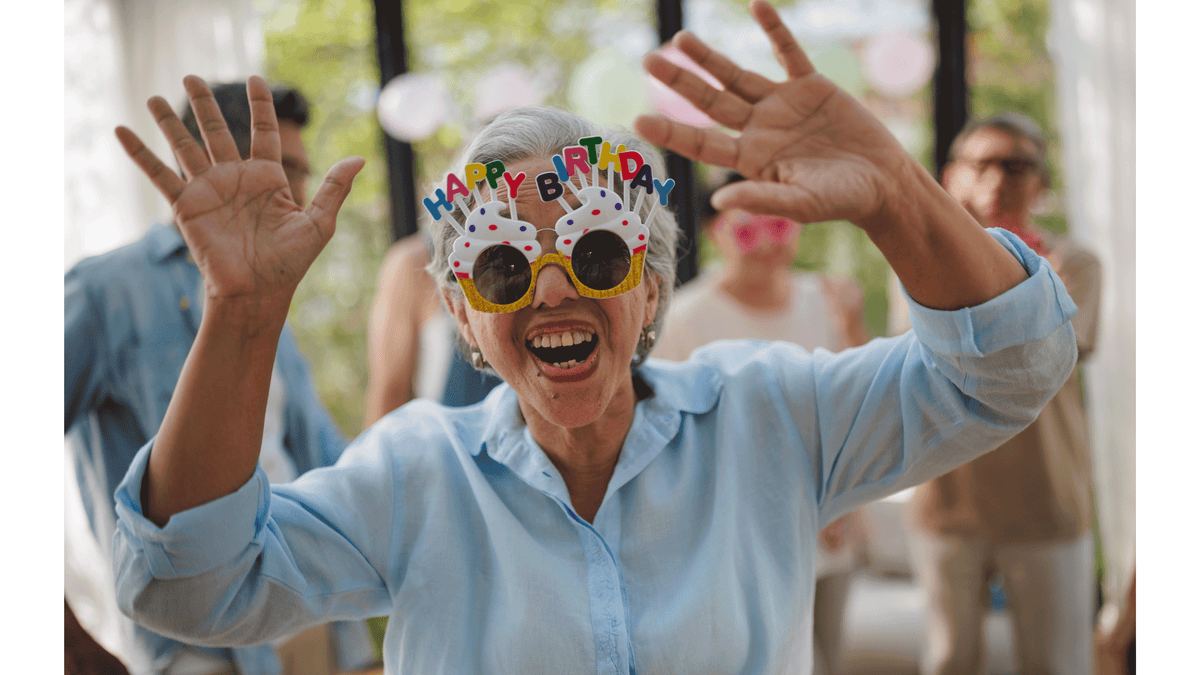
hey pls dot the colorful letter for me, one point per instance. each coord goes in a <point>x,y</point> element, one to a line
<point>560,167</point>
<point>473,173</point>
<point>576,158</point>
<point>663,189</point>
<point>632,156</point>
<point>608,158</point>
<point>548,186</point>
<point>643,179</point>
<point>590,143</point>
<point>442,203</point>
<point>454,187</point>
<point>494,170</point>
<point>513,182</point>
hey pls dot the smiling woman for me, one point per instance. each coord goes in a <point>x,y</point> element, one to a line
<point>598,512</point>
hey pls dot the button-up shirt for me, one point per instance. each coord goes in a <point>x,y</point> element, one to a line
<point>700,558</point>
<point>131,316</point>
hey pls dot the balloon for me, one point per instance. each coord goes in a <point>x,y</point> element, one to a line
<point>671,104</point>
<point>413,106</point>
<point>508,85</point>
<point>608,89</point>
<point>898,64</point>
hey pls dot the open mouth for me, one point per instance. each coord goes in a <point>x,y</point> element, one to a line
<point>563,350</point>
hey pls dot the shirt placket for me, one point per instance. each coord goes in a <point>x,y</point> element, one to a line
<point>606,596</point>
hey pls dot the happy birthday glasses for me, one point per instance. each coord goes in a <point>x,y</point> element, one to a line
<point>601,243</point>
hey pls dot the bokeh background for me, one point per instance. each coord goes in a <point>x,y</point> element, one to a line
<point>1066,63</point>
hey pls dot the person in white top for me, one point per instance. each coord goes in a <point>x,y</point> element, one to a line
<point>756,294</point>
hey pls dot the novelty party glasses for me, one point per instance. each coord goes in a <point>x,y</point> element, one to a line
<point>750,232</point>
<point>601,244</point>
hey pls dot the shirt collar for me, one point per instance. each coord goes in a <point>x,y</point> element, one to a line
<point>677,388</point>
<point>165,241</point>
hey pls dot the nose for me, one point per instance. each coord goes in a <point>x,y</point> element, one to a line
<point>553,287</point>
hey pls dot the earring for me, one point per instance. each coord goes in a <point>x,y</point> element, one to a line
<point>648,338</point>
<point>477,360</point>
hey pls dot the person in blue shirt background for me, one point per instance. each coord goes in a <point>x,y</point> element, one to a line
<point>131,316</point>
<point>597,512</point>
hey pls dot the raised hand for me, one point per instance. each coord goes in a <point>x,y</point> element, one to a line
<point>246,232</point>
<point>811,151</point>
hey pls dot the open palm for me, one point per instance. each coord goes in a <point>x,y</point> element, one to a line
<point>241,224</point>
<point>811,151</point>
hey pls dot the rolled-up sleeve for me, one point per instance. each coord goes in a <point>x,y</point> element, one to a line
<point>903,410</point>
<point>258,563</point>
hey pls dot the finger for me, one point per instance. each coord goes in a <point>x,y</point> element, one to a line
<point>750,86</point>
<point>722,106</point>
<point>192,158</point>
<point>329,197</point>
<point>264,134</point>
<point>768,198</point>
<point>705,145</point>
<point>167,181</point>
<point>221,146</point>
<point>787,50</point>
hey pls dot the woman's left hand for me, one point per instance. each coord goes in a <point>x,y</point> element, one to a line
<point>811,152</point>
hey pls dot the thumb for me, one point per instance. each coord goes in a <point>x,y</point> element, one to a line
<point>768,198</point>
<point>333,191</point>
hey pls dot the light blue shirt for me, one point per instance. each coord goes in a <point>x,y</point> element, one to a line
<point>701,556</point>
<point>130,317</point>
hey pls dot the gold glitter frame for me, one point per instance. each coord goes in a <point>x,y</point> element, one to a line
<point>481,304</point>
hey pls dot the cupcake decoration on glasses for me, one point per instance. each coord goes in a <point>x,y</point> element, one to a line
<point>601,243</point>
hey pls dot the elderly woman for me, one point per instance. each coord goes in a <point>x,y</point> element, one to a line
<point>589,516</point>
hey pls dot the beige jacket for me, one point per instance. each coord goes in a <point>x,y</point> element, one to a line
<point>1036,487</point>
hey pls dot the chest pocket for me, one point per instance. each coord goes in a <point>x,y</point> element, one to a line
<point>156,365</point>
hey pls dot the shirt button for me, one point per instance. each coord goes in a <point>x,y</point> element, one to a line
<point>184,303</point>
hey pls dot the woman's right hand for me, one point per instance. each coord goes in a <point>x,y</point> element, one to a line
<point>248,236</point>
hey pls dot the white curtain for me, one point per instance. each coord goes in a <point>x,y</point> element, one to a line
<point>118,54</point>
<point>1092,43</point>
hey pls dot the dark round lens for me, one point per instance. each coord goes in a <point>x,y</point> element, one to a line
<point>502,274</point>
<point>600,260</point>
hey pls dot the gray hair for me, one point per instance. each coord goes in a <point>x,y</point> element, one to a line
<point>536,131</point>
<point>1015,124</point>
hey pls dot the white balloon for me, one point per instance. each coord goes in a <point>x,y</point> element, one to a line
<point>413,106</point>
<point>898,64</point>
<point>508,85</point>
<point>607,88</point>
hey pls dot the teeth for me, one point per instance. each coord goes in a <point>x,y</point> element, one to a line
<point>564,339</point>
<point>569,364</point>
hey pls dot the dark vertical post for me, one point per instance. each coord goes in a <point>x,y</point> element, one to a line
<point>401,164</point>
<point>670,22</point>
<point>950,105</point>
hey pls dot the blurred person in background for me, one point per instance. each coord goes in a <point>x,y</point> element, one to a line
<point>755,294</point>
<point>410,339</point>
<point>1024,509</point>
<point>131,317</point>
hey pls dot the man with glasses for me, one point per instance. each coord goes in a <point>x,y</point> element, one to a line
<point>1022,511</point>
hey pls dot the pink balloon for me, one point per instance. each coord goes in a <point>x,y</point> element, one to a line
<point>508,85</point>
<point>898,64</point>
<point>672,105</point>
